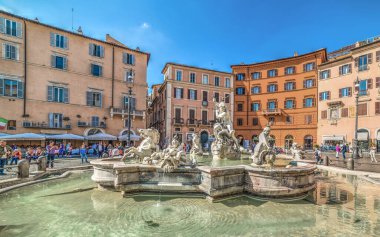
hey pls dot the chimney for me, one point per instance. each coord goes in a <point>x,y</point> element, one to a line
<point>36,19</point>
<point>295,54</point>
<point>242,63</point>
<point>80,30</point>
<point>138,48</point>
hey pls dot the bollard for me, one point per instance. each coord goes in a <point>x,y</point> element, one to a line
<point>23,169</point>
<point>326,161</point>
<point>350,163</point>
<point>41,162</point>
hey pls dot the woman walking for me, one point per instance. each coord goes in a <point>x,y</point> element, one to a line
<point>372,153</point>
<point>83,153</point>
<point>337,150</point>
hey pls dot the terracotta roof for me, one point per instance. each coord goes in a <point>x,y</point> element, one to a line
<point>188,66</point>
<point>73,33</point>
<point>281,59</point>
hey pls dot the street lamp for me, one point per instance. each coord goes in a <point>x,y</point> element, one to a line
<point>355,147</point>
<point>130,82</point>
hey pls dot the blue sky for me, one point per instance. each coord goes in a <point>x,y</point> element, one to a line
<point>212,33</point>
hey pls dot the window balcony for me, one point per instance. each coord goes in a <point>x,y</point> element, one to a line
<point>178,121</point>
<point>192,122</point>
<point>206,122</point>
<point>363,67</point>
<point>45,125</point>
<point>363,92</point>
<point>275,111</point>
<point>83,124</point>
<point>120,111</point>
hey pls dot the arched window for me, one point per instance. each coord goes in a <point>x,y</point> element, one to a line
<point>288,141</point>
<point>363,138</point>
<point>94,131</point>
<point>308,142</point>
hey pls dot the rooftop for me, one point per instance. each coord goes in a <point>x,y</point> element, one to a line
<point>189,66</point>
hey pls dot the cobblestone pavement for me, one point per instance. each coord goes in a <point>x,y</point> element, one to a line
<point>58,164</point>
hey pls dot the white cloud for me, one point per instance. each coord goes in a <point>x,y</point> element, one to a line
<point>145,25</point>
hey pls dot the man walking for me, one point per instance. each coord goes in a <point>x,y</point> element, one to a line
<point>317,155</point>
<point>344,150</point>
<point>50,149</point>
<point>5,154</point>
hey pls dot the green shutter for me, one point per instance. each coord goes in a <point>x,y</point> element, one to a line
<point>18,29</point>
<point>20,89</point>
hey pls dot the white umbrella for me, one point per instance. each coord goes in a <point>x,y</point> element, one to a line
<point>101,137</point>
<point>65,136</point>
<point>24,136</point>
<point>134,137</point>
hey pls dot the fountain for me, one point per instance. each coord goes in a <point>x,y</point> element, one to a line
<point>146,168</point>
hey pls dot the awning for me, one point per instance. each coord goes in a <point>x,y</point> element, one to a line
<point>25,137</point>
<point>101,137</point>
<point>333,138</point>
<point>363,136</point>
<point>66,136</point>
<point>134,137</point>
<point>3,134</point>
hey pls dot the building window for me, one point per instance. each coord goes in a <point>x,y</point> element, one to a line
<point>308,83</point>
<point>345,69</point>
<point>255,90</point>
<point>240,122</point>
<point>324,114</point>
<point>96,70</point>
<point>345,92</point>
<point>204,116</point>
<point>271,105</point>
<point>129,58</point>
<point>289,86</point>
<point>216,81</point>
<point>272,73</point>
<point>256,75</point>
<point>239,107</point>
<point>324,74</point>
<point>216,96</point>
<point>178,75</point>
<point>308,102</point>
<point>204,96</point>
<point>364,85</point>
<point>11,88</point>
<point>308,67</point>
<point>344,113</point>
<point>96,50</point>
<point>126,103</point>
<point>227,98</point>
<point>178,93</point>
<point>228,82</point>
<point>288,119</point>
<point>192,77</point>
<point>255,121</point>
<point>271,120</point>
<point>205,79</point>
<point>290,70</point>
<point>289,104</point>
<point>308,119</point>
<point>240,76</point>
<point>362,109</point>
<point>59,41</point>
<point>94,121</point>
<point>325,95</point>
<point>59,62</point>
<point>255,107</point>
<point>363,62</point>
<point>10,52</point>
<point>126,123</point>
<point>377,107</point>
<point>94,99</point>
<point>240,91</point>
<point>11,28</point>
<point>192,94</point>
<point>272,88</point>
<point>58,94</point>
<point>11,125</point>
<point>55,120</point>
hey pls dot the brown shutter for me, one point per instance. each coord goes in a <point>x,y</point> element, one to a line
<point>340,70</point>
<point>377,107</point>
<point>344,112</point>
<point>276,72</point>
<point>181,93</point>
<point>314,82</point>
<point>328,73</point>
<point>294,104</point>
<point>195,94</point>
<point>313,104</point>
<point>356,61</point>
<point>304,67</point>
<point>349,91</point>
<point>285,89</point>
<point>328,95</point>
<point>304,102</point>
<point>377,56</point>
<point>294,85</point>
<point>369,83</point>
<point>340,93</point>
<point>378,81</point>
<point>285,104</point>
<point>188,93</point>
<point>304,83</point>
<point>175,93</point>
<point>268,88</point>
<point>350,68</point>
<point>320,96</point>
<point>369,58</point>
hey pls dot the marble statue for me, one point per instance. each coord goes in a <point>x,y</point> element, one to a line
<point>225,145</point>
<point>263,150</point>
<point>297,153</point>
<point>196,149</point>
<point>148,146</point>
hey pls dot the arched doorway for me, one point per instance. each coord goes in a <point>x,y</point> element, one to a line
<point>288,141</point>
<point>272,140</point>
<point>93,131</point>
<point>125,132</point>
<point>363,139</point>
<point>308,142</point>
<point>204,139</point>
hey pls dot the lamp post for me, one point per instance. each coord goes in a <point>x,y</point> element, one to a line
<point>355,147</point>
<point>130,85</point>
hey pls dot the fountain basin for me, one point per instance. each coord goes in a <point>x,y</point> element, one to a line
<point>214,182</point>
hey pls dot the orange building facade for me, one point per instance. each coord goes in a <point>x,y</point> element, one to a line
<point>282,93</point>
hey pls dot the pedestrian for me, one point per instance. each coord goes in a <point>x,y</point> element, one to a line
<point>337,150</point>
<point>317,155</point>
<point>51,150</point>
<point>100,149</point>
<point>95,149</point>
<point>83,153</point>
<point>344,150</point>
<point>29,154</point>
<point>5,154</point>
<point>372,153</point>
<point>61,151</point>
<point>16,155</point>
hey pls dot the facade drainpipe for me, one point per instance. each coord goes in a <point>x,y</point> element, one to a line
<point>25,72</point>
<point>113,75</point>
